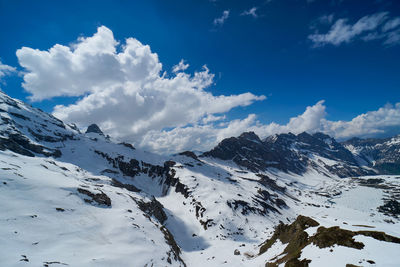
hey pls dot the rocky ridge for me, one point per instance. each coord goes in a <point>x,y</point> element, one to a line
<point>291,153</point>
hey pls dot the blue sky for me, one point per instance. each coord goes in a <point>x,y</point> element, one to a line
<point>294,52</point>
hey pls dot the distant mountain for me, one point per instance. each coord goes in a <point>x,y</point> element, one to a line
<point>291,153</point>
<point>380,154</point>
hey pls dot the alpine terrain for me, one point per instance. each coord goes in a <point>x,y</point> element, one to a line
<point>74,198</point>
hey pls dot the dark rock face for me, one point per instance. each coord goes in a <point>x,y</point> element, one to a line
<point>189,154</point>
<point>287,152</point>
<point>30,131</point>
<point>247,150</point>
<point>127,145</point>
<point>175,251</point>
<point>21,145</point>
<point>293,235</point>
<point>390,208</point>
<point>93,128</point>
<point>328,237</point>
<point>133,168</point>
<point>153,208</point>
<point>100,198</point>
<point>269,183</point>
<point>128,187</point>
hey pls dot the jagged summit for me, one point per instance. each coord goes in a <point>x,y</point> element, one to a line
<point>240,149</point>
<point>94,128</point>
<point>251,136</point>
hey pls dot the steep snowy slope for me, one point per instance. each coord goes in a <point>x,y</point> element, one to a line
<point>55,213</point>
<point>241,210</point>
<point>69,165</point>
<point>125,207</point>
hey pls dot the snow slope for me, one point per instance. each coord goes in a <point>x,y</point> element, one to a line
<point>44,219</point>
<point>83,199</point>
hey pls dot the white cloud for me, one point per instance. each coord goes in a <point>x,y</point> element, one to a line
<point>367,124</point>
<point>181,66</point>
<point>88,66</point>
<point>121,87</point>
<point>196,137</point>
<point>212,118</point>
<point>310,121</point>
<point>221,20</point>
<point>367,28</point>
<point>391,24</point>
<point>313,119</point>
<point>393,38</point>
<point>130,110</point>
<point>250,12</point>
<point>6,70</point>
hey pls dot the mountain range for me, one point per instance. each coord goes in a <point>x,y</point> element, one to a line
<point>78,198</point>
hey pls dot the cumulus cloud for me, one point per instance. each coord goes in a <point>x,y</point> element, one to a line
<point>121,87</point>
<point>197,137</point>
<point>313,119</point>
<point>250,12</point>
<point>368,124</point>
<point>87,66</point>
<point>368,28</point>
<point>221,20</point>
<point>6,70</point>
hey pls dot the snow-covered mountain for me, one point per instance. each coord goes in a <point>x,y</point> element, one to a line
<point>81,199</point>
<point>291,153</point>
<point>380,154</point>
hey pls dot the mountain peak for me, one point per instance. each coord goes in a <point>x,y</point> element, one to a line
<point>251,136</point>
<point>94,128</point>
